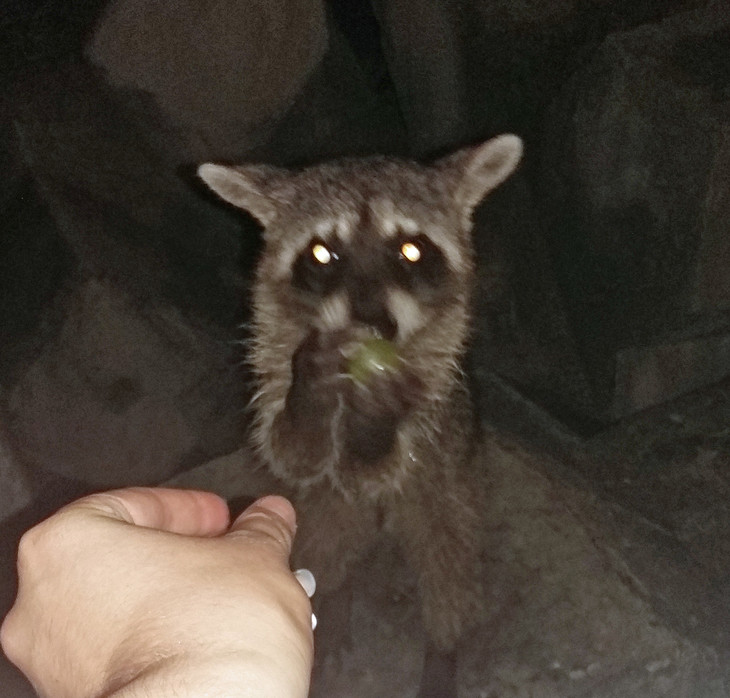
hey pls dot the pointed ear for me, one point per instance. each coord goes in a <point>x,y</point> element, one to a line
<point>478,170</point>
<point>247,187</point>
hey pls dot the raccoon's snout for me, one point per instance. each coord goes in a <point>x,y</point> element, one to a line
<point>368,307</point>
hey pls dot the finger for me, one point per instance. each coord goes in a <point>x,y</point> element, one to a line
<point>271,516</point>
<point>188,512</point>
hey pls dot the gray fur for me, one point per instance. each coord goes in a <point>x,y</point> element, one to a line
<point>308,409</point>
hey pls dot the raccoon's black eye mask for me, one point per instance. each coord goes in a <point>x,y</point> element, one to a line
<point>411,262</point>
<point>318,269</point>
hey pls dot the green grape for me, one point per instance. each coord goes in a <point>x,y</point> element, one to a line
<point>374,354</point>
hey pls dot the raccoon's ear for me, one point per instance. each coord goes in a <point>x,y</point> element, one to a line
<point>248,187</point>
<point>479,169</point>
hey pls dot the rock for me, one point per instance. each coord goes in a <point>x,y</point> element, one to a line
<point>16,490</point>
<point>712,282</point>
<point>234,476</point>
<point>568,616</point>
<point>109,172</point>
<point>664,474</point>
<point>464,71</point>
<point>647,376</point>
<point>421,44</point>
<point>100,187</point>
<point>217,69</point>
<point>125,394</point>
<point>632,161</point>
<point>343,110</point>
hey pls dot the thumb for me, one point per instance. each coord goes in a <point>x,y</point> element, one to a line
<point>271,518</point>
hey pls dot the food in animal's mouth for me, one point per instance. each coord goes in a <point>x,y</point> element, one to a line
<point>370,357</point>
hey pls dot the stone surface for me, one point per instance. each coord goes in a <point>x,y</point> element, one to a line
<point>125,394</point>
<point>16,490</point>
<point>421,44</point>
<point>636,250</point>
<point>632,160</point>
<point>647,376</point>
<point>467,70</point>
<point>569,617</point>
<point>712,291</point>
<point>219,69</point>
<point>108,171</point>
<point>347,107</point>
<point>665,472</point>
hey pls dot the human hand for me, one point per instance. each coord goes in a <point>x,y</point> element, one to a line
<point>148,592</point>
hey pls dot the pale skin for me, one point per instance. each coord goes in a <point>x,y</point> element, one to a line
<point>153,593</point>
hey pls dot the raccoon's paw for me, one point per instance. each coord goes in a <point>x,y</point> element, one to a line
<point>318,358</point>
<point>374,413</point>
<point>316,375</point>
<point>388,395</point>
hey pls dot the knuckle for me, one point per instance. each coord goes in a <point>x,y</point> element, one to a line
<point>28,548</point>
<point>43,542</point>
<point>10,639</point>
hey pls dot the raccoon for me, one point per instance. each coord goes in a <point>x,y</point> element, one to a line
<point>360,254</point>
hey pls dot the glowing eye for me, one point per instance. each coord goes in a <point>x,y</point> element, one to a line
<point>321,253</point>
<point>410,251</point>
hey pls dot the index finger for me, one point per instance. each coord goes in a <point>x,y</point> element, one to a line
<point>187,512</point>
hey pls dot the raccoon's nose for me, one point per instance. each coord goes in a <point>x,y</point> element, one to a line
<point>367,306</point>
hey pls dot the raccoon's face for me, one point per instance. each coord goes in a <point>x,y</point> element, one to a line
<point>360,264</point>
<point>365,247</point>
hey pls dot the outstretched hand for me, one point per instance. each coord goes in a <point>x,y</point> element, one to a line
<point>150,592</point>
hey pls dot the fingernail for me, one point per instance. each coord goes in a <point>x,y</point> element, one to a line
<point>307,580</point>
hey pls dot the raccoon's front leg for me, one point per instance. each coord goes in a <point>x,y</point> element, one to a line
<point>302,434</point>
<point>439,522</point>
<point>333,533</point>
